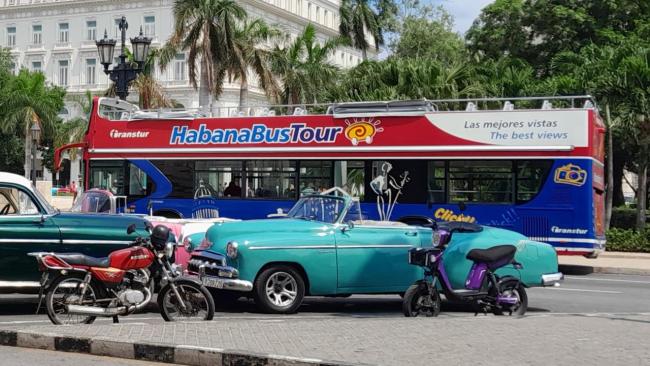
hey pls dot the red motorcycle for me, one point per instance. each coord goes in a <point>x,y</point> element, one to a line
<point>79,288</point>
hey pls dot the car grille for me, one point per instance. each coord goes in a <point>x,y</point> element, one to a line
<point>211,265</point>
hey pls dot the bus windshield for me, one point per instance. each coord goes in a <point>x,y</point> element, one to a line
<point>318,208</point>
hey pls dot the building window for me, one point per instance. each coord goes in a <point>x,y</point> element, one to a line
<point>37,66</point>
<point>318,14</point>
<point>90,70</point>
<point>116,27</point>
<point>91,30</point>
<point>11,36</point>
<point>150,25</point>
<point>309,11</point>
<point>327,18</point>
<point>271,179</point>
<point>64,35</point>
<point>63,72</point>
<point>37,34</point>
<point>179,67</point>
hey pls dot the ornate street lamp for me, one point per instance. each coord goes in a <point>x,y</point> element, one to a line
<point>35,132</point>
<point>123,73</point>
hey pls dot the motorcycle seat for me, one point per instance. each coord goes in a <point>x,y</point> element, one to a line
<point>83,260</point>
<point>497,253</point>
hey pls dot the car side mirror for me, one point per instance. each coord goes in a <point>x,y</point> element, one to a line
<point>131,229</point>
<point>348,226</point>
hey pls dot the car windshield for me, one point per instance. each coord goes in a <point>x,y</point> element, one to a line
<point>318,208</point>
<point>46,205</point>
<point>93,201</point>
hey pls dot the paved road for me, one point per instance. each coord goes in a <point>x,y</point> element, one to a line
<point>578,294</point>
<point>14,356</point>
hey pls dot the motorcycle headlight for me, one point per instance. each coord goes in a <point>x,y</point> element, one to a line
<point>187,243</point>
<point>169,250</point>
<point>231,249</point>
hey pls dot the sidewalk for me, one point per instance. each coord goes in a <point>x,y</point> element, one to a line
<point>542,339</point>
<point>608,262</point>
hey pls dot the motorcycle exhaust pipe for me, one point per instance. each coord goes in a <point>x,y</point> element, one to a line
<point>96,311</point>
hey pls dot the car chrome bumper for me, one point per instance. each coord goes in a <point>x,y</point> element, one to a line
<point>552,279</point>
<point>222,283</point>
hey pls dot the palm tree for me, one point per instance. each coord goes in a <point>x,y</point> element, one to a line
<point>250,54</point>
<point>357,18</point>
<point>206,29</point>
<point>303,67</point>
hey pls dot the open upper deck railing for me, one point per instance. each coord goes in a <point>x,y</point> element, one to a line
<point>120,110</point>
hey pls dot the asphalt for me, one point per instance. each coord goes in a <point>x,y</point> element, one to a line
<point>588,294</point>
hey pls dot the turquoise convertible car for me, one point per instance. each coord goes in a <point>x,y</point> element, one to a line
<point>325,248</point>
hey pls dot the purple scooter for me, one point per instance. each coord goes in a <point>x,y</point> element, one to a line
<point>483,288</point>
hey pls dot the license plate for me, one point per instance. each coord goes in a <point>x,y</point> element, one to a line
<point>212,282</point>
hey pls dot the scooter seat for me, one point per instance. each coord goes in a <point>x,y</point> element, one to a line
<point>497,253</point>
<point>83,260</point>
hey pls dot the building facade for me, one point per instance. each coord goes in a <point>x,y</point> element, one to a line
<point>57,38</point>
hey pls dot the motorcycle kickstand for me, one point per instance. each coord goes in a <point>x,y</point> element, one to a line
<point>115,319</point>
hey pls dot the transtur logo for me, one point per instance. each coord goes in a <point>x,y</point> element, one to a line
<point>362,130</point>
<point>129,134</point>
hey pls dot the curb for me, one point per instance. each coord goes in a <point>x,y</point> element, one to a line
<point>574,269</point>
<point>185,355</point>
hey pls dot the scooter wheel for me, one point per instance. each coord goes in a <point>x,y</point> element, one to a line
<point>418,300</point>
<point>514,289</point>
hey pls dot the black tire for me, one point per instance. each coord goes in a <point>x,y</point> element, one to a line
<point>286,290</point>
<point>57,296</point>
<point>224,299</point>
<point>517,289</point>
<point>197,299</point>
<point>418,300</point>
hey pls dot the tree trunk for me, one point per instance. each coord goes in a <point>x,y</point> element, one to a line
<point>364,54</point>
<point>243,94</point>
<point>205,96</point>
<point>609,194</point>
<point>641,193</point>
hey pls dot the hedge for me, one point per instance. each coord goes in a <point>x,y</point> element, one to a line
<point>624,218</point>
<point>628,240</point>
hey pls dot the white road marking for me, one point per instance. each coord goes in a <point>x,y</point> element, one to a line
<point>605,279</point>
<point>581,290</point>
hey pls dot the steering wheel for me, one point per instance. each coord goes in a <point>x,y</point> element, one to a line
<point>5,209</point>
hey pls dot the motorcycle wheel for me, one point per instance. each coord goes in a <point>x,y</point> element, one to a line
<point>419,301</point>
<point>198,302</point>
<point>65,290</point>
<point>518,290</point>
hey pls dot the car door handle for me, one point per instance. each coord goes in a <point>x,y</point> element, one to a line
<point>410,233</point>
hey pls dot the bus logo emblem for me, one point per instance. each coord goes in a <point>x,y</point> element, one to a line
<point>362,130</point>
<point>570,174</point>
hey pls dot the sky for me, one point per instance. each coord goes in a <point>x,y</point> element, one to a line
<point>464,11</point>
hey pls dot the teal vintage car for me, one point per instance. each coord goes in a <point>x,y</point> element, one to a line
<point>325,248</point>
<point>29,224</point>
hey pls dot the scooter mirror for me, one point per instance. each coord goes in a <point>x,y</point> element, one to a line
<point>131,229</point>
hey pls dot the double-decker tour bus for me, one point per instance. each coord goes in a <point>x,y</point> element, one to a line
<point>533,165</point>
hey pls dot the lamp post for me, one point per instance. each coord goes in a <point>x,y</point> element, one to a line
<point>35,132</point>
<point>123,73</point>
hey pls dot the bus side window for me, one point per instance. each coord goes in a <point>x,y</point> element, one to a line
<point>138,181</point>
<point>531,175</point>
<point>315,176</point>
<point>271,179</point>
<point>107,175</point>
<point>436,181</point>
<point>350,176</point>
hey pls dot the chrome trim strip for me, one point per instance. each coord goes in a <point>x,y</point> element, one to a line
<point>39,241</point>
<point>294,247</point>
<point>357,149</point>
<point>574,240</point>
<point>19,284</point>
<point>375,246</point>
<point>352,157</point>
<point>90,241</point>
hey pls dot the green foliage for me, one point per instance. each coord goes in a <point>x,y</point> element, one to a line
<point>359,17</point>
<point>623,218</point>
<point>428,34</point>
<point>12,154</point>
<point>628,240</point>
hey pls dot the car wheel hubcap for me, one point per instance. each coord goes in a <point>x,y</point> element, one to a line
<point>281,289</point>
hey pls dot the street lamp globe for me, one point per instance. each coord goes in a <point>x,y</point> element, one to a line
<point>35,131</point>
<point>140,47</point>
<point>106,48</point>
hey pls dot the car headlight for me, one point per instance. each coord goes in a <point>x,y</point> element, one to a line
<point>187,243</point>
<point>435,238</point>
<point>231,249</point>
<point>169,250</point>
